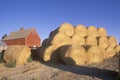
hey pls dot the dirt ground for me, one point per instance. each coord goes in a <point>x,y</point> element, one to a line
<point>107,70</point>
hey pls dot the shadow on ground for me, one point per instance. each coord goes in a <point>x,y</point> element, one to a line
<point>89,70</point>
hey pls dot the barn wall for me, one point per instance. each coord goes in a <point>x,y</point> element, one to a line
<point>33,39</point>
<point>20,41</point>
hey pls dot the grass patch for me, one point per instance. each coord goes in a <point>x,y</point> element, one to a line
<point>29,59</point>
<point>10,65</point>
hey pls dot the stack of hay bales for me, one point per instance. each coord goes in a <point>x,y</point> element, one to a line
<point>78,45</point>
<point>17,54</point>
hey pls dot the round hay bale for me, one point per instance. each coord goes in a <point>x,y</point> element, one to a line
<point>102,31</point>
<point>24,55</point>
<point>47,53</point>
<point>112,41</point>
<point>92,31</point>
<point>53,33</point>
<point>67,29</point>
<point>46,42</point>
<point>60,39</point>
<point>95,55</point>
<point>117,49</point>
<point>17,53</point>
<point>77,39</point>
<point>73,54</point>
<point>91,40</point>
<point>81,30</point>
<point>110,52</point>
<point>103,42</point>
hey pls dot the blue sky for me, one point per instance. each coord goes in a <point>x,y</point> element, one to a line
<point>47,15</point>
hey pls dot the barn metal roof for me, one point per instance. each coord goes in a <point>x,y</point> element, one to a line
<point>19,34</point>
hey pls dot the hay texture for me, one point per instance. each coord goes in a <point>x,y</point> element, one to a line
<point>81,30</point>
<point>92,31</point>
<point>77,39</point>
<point>60,39</point>
<point>95,55</point>
<point>46,53</point>
<point>73,54</point>
<point>102,32</point>
<point>103,42</point>
<point>112,41</point>
<point>66,29</point>
<point>117,49</point>
<point>91,40</point>
<point>110,52</point>
<point>18,54</point>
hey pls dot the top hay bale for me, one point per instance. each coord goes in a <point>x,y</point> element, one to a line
<point>112,41</point>
<point>67,29</point>
<point>81,30</point>
<point>92,31</point>
<point>73,54</point>
<point>102,32</point>
<point>17,53</point>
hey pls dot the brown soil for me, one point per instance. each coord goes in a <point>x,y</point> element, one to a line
<point>107,70</point>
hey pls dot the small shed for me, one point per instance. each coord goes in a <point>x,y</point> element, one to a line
<point>27,37</point>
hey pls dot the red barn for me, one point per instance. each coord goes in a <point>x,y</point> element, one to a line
<point>27,37</point>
